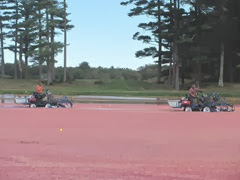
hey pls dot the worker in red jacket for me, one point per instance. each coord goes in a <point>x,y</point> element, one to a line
<point>39,90</point>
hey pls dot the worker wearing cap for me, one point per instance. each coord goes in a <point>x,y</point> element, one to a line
<point>192,93</point>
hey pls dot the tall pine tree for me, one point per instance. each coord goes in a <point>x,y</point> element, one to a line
<point>155,28</point>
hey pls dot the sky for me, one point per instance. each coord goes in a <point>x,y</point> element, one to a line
<point>102,35</point>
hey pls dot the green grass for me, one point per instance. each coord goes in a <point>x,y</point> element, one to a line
<point>112,88</point>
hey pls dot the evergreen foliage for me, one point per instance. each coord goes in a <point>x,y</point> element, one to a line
<point>190,35</point>
<point>32,26</point>
<point>198,40</point>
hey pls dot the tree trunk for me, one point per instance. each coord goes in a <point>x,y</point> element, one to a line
<point>16,41</point>
<point>170,72</point>
<point>53,71</point>
<point>20,59</point>
<point>159,70</point>
<point>220,82</point>
<point>52,50</point>
<point>171,48</point>
<point>198,37</point>
<point>26,57</point>
<point>40,46</point>
<point>183,72</point>
<point>26,51</point>
<point>2,52</point>
<point>159,46</point>
<point>40,72</point>
<point>65,44</point>
<point>49,70</point>
<point>49,82</point>
<point>230,69</point>
<point>26,65</point>
<point>174,66</point>
<point>177,69</point>
<point>175,48</point>
<point>15,61</point>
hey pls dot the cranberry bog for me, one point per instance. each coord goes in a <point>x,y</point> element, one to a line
<point>118,141</point>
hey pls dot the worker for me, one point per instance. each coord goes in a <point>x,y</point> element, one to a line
<point>39,90</point>
<point>192,93</point>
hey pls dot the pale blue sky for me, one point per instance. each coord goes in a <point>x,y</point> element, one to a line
<point>102,35</point>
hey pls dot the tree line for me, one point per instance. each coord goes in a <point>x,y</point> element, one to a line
<point>190,36</point>
<point>29,28</point>
<point>194,39</point>
<point>100,75</point>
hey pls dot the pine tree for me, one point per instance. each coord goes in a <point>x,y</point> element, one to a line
<point>65,27</point>
<point>28,28</point>
<point>211,29</point>
<point>155,29</point>
<point>3,23</point>
<point>194,47</point>
<point>13,32</point>
<point>65,42</point>
<point>39,56</point>
<point>164,32</point>
<point>53,21</point>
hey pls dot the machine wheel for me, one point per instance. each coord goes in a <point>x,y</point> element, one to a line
<point>188,109</point>
<point>206,109</point>
<point>47,105</point>
<point>65,104</point>
<point>231,108</point>
<point>32,106</point>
